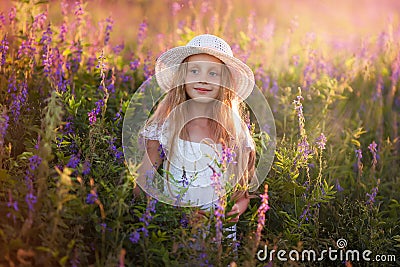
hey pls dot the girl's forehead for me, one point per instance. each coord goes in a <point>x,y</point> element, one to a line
<point>203,57</point>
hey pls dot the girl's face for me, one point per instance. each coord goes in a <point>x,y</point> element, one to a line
<point>203,78</point>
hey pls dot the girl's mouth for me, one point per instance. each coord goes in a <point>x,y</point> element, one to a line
<point>202,90</point>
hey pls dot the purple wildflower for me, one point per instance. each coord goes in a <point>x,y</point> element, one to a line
<point>262,209</point>
<point>304,215</point>
<point>175,8</point>
<point>86,167</point>
<point>184,221</point>
<point>78,12</point>
<point>321,141</point>
<point>148,69</point>
<point>3,50</point>
<point>219,210</point>
<point>11,14</point>
<point>73,161</point>
<point>373,194</point>
<point>373,148</point>
<point>142,32</point>
<point>26,48</point>
<point>161,151</point>
<point>63,32</point>
<point>134,64</point>
<point>91,198</point>
<point>228,155</point>
<point>118,48</point>
<point>11,204</point>
<point>338,187</point>
<point>109,26</point>
<point>358,153</point>
<point>134,237</point>
<point>275,87</point>
<point>30,199</point>
<point>47,55</point>
<point>116,153</point>
<point>76,57</point>
<point>184,181</point>
<point>39,21</point>
<point>359,164</point>
<point>304,149</point>
<point>96,111</point>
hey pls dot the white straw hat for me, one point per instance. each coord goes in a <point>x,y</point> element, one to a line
<point>168,63</point>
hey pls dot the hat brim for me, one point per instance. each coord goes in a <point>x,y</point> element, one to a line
<point>168,63</point>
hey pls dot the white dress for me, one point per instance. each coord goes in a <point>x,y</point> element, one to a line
<point>191,167</point>
<point>189,170</point>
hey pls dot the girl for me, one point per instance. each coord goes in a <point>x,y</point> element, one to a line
<point>197,133</point>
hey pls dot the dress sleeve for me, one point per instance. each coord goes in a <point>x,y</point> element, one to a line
<point>151,132</point>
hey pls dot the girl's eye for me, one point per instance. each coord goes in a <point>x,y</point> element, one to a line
<point>194,71</point>
<point>213,74</point>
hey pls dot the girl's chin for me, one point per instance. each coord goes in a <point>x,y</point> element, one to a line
<point>203,99</point>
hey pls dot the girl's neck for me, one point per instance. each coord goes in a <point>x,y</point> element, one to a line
<point>200,110</point>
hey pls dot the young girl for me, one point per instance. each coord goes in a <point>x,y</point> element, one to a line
<point>197,134</point>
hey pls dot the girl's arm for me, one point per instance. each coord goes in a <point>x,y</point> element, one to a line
<point>150,163</point>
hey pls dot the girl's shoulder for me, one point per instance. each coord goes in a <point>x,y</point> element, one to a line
<point>154,131</point>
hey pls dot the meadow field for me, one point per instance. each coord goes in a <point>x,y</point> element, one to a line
<point>330,71</point>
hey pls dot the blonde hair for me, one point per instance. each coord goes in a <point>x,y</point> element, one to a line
<point>230,112</point>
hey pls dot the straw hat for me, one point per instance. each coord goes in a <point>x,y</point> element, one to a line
<point>168,63</point>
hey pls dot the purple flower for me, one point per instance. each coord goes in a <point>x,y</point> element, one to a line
<point>358,153</point>
<point>373,148</point>
<point>34,162</point>
<point>321,141</point>
<point>134,64</point>
<point>371,197</point>
<point>30,200</point>
<point>12,14</point>
<point>304,215</point>
<point>11,204</point>
<point>228,155</point>
<point>39,21</point>
<point>91,198</point>
<point>26,48</point>
<point>147,215</point>
<point>185,180</point>
<point>175,8</point>
<point>63,32</point>
<point>73,161</point>
<point>184,221</point>
<point>142,32</point>
<point>96,111</point>
<point>134,237</point>
<point>3,50</point>
<point>275,87</point>
<point>118,48</point>
<point>262,209</point>
<point>75,58</point>
<point>47,55</point>
<point>338,187</point>
<point>116,153</point>
<point>109,26</point>
<point>161,151</point>
<point>86,167</point>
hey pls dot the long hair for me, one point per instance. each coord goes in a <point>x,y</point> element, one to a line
<point>228,127</point>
